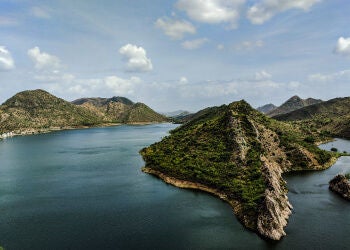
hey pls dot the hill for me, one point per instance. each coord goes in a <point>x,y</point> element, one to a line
<point>38,109</point>
<point>120,110</point>
<point>267,108</point>
<point>330,117</point>
<point>293,103</point>
<point>238,154</point>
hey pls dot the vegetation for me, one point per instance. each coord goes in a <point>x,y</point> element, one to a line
<point>37,109</point>
<point>121,110</point>
<point>222,147</point>
<point>330,118</point>
<point>347,176</point>
<point>292,104</point>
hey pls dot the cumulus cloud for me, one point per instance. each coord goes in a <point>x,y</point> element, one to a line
<point>262,75</point>
<point>43,60</point>
<point>136,58</point>
<point>212,11</point>
<point>40,12</point>
<point>194,44</point>
<point>343,46</point>
<point>6,60</point>
<point>266,9</point>
<point>343,75</point>
<point>175,29</point>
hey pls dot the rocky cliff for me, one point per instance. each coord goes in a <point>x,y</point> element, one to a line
<point>340,185</point>
<point>239,154</point>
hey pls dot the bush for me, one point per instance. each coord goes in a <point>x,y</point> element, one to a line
<point>334,149</point>
<point>347,176</point>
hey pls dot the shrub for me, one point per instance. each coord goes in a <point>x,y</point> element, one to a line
<point>334,149</point>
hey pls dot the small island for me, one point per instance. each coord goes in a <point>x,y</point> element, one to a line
<point>340,184</point>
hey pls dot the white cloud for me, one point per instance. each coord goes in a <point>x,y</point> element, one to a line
<point>262,75</point>
<point>40,12</point>
<point>212,11</point>
<point>183,80</point>
<point>136,58</point>
<point>43,60</point>
<point>249,45</point>
<point>121,86</point>
<point>220,47</point>
<point>6,60</point>
<point>343,46</point>
<point>266,9</point>
<point>194,44</point>
<point>343,75</point>
<point>175,29</point>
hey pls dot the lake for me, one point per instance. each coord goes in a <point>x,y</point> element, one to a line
<point>83,189</point>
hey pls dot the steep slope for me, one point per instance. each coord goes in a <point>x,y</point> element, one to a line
<point>121,110</point>
<point>238,154</point>
<point>330,117</point>
<point>37,109</point>
<point>292,104</point>
<point>267,108</point>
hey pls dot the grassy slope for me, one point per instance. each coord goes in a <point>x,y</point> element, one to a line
<point>39,109</point>
<point>209,150</point>
<point>331,117</point>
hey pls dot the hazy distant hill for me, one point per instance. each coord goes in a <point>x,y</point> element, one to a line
<point>121,110</point>
<point>34,109</point>
<point>292,104</point>
<point>176,113</point>
<point>332,117</point>
<point>238,154</point>
<point>267,108</point>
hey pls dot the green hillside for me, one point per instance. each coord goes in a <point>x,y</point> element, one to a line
<point>240,153</point>
<point>331,117</point>
<point>38,109</point>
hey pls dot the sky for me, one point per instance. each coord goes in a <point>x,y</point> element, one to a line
<point>176,54</point>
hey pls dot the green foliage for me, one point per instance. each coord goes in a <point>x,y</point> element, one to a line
<point>347,176</point>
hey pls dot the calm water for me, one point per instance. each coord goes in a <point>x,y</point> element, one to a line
<point>83,189</point>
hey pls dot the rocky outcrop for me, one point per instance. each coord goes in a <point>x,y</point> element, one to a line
<point>340,185</point>
<point>275,209</point>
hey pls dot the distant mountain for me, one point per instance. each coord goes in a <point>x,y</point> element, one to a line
<point>176,113</point>
<point>120,110</point>
<point>99,102</point>
<point>331,117</point>
<point>38,109</point>
<point>238,154</point>
<point>292,104</point>
<point>267,108</point>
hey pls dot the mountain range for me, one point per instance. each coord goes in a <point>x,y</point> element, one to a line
<point>35,111</point>
<point>293,103</point>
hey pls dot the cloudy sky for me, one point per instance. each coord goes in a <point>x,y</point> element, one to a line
<point>176,54</point>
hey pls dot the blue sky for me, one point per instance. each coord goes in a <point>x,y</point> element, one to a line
<point>181,54</point>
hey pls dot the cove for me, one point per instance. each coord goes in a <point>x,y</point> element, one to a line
<point>84,189</point>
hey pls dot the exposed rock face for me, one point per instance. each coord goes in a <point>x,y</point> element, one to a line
<point>275,209</point>
<point>341,185</point>
<point>238,154</point>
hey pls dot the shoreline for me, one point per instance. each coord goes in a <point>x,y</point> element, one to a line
<point>37,131</point>
<point>235,205</point>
